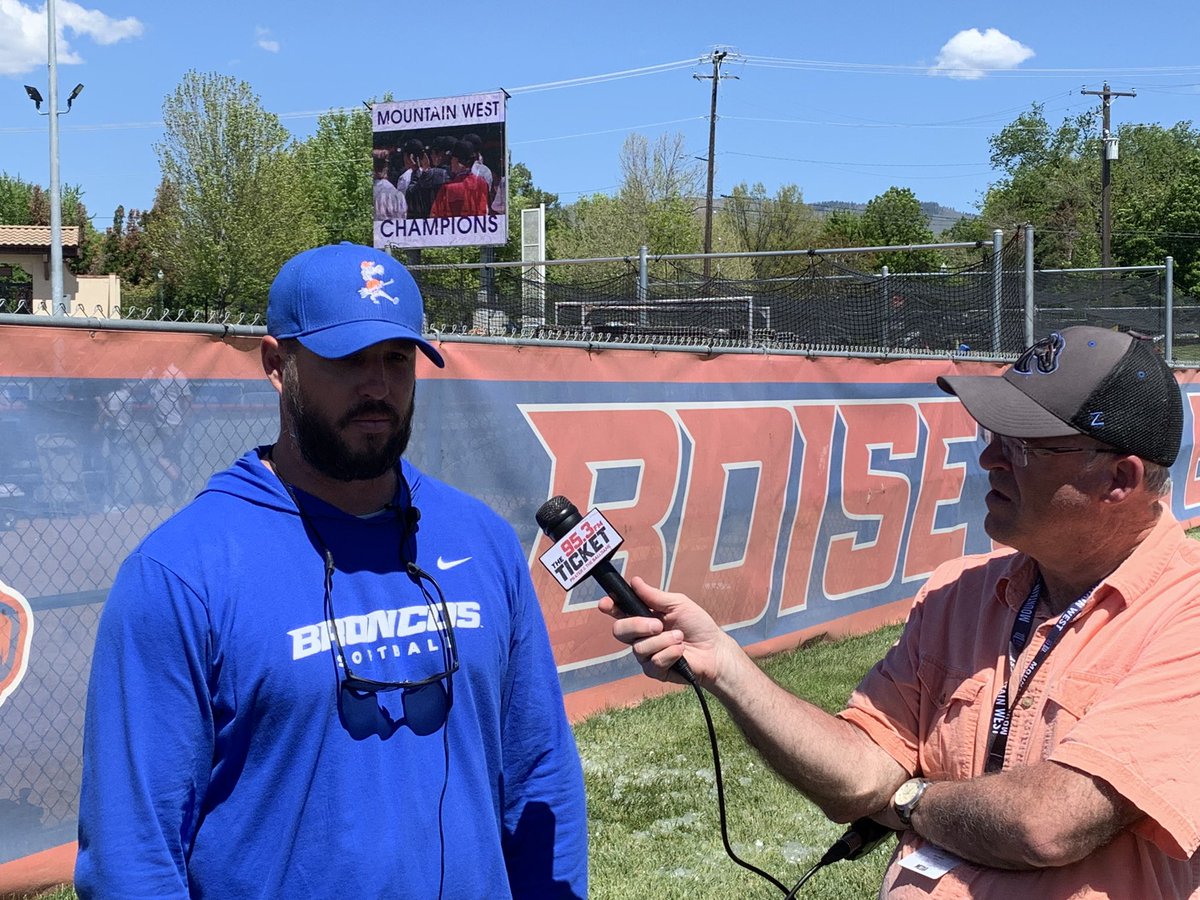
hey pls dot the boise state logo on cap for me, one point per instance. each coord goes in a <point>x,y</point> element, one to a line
<point>342,298</point>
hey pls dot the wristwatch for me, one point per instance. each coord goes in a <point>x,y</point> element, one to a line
<point>906,798</point>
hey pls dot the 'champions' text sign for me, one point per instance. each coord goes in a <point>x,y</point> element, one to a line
<point>440,172</point>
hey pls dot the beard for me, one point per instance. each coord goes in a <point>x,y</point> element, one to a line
<point>323,447</point>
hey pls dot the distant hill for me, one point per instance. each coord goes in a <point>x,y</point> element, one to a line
<point>939,217</point>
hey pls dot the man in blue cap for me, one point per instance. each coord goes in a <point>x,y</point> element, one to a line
<point>285,700</point>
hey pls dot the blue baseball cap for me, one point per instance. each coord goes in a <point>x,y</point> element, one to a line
<point>342,298</point>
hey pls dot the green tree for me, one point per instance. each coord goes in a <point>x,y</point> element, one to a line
<point>1156,199</point>
<point>895,218</point>
<point>524,194</point>
<point>656,205</point>
<point>335,176</point>
<point>763,223</point>
<point>124,250</point>
<point>238,211</point>
<point>25,203</point>
<point>842,228</point>
<point>1051,180</point>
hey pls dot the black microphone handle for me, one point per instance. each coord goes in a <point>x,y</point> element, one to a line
<point>618,588</point>
<point>631,604</point>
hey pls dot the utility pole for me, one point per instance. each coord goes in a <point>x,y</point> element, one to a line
<point>716,58</point>
<point>1107,154</point>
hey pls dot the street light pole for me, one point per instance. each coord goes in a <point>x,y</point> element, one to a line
<point>56,252</point>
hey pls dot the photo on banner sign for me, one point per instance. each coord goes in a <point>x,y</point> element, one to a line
<point>440,172</point>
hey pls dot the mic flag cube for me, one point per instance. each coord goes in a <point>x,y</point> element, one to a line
<point>574,555</point>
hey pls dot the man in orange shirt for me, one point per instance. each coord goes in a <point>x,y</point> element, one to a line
<point>465,193</point>
<point>1031,732</point>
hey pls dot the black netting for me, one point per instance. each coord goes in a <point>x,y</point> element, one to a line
<point>821,302</point>
<point>1131,301</point>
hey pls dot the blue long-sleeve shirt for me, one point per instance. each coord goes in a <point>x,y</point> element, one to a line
<point>219,762</point>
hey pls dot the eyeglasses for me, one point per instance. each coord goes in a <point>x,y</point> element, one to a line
<point>1017,450</point>
<point>442,623</point>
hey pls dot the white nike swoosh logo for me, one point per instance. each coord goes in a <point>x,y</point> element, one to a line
<point>446,564</point>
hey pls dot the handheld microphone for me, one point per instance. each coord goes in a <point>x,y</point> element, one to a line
<point>557,517</point>
<point>863,836</point>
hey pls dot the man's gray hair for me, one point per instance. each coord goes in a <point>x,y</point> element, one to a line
<point>1158,477</point>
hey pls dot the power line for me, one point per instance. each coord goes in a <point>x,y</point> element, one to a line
<point>847,162</point>
<point>908,69</point>
<point>582,81</point>
<point>564,137</point>
<point>599,79</point>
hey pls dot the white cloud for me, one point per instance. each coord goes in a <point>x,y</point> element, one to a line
<point>95,24</point>
<point>265,41</point>
<point>972,54</point>
<point>23,33</point>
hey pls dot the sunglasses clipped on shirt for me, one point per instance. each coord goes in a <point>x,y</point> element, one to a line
<point>440,613</point>
<point>1018,450</point>
<point>439,610</point>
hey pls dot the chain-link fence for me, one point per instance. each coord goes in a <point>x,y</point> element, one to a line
<point>823,302</point>
<point>993,305</point>
<point>88,466</point>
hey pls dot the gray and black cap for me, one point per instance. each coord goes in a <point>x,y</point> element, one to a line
<point>1106,384</point>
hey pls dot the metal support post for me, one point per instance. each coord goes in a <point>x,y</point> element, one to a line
<point>997,285</point>
<point>643,274</point>
<point>1029,286</point>
<point>886,318</point>
<point>1169,310</point>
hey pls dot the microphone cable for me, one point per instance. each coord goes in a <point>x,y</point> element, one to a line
<point>863,835</point>
<point>720,782</point>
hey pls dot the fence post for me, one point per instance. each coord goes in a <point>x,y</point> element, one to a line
<point>1029,286</point>
<point>886,307</point>
<point>643,288</point>
<point>487,280</point>
<point>997,284</point>
<point>1169,303</point>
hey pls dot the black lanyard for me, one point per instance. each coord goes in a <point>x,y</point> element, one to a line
<point>1002,711</point>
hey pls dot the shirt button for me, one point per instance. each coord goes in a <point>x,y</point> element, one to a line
<point>1026,702</point>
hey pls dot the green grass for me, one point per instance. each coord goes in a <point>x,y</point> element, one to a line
<point>652,804</point>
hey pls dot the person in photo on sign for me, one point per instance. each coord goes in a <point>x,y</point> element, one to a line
<point>465,193</point>
<point>430,172</point>
<point>328,675</point>
<point>389,200</point>
<point>1030,734</point>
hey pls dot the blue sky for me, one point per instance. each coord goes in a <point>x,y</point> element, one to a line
<point>843,99</point>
